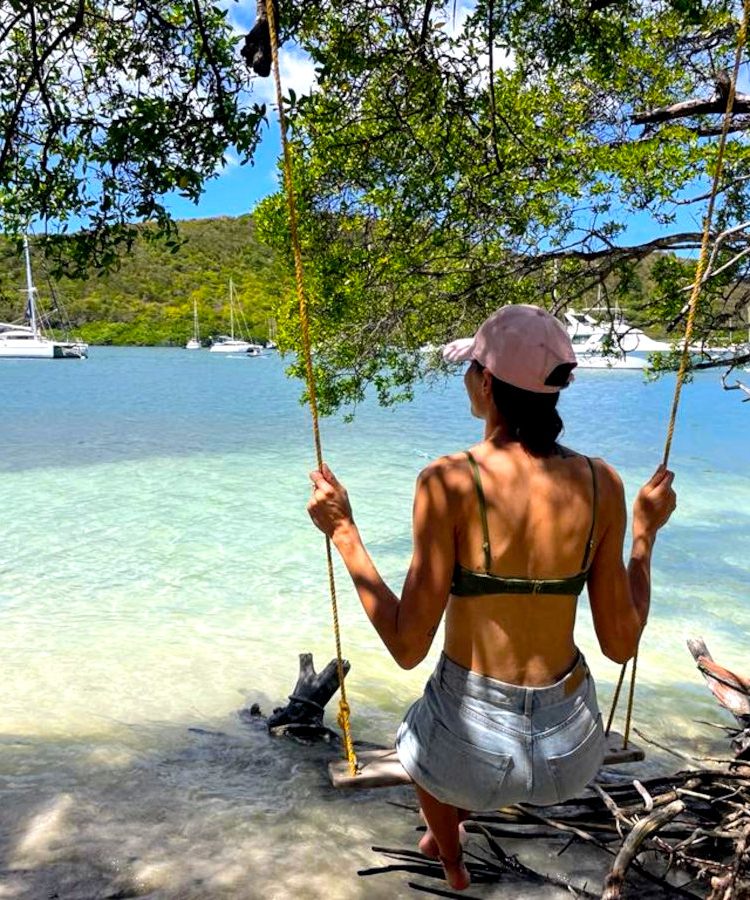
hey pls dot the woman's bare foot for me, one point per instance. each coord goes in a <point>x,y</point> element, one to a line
<point>428,846</point>
<point>446,827</point>
<point>456,873</point>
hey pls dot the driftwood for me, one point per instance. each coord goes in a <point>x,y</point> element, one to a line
<point>302,717</point>
<point>731,690</point>
<point>631,846</point>
<point>697,822</point>
<point>738,385</point>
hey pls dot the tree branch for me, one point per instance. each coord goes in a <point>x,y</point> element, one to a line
<point>72,29</point>
<point>715,105</point>
<point>707,195</point>
<point>632,844</point>
<point>209,55</point>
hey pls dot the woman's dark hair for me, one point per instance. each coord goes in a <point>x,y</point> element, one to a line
<point>531,418</point>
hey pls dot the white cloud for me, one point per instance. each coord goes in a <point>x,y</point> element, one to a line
<point>228,163</point>
<point>241,19</point>
<point>457,19</point>
<point>454,21</point>
<point>297,74</point>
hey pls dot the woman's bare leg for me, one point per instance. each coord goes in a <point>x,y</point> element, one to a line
<point>429,846</point>
<point>443,821</point>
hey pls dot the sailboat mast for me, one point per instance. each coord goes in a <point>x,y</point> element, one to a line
<point>30,289</point>
<point>195,320</point>
<point>231,307</point>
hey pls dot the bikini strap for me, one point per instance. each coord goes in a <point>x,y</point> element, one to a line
<point>482,510</point>
<point>590,541</point>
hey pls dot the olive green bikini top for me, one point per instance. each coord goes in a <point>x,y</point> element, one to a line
<point>468,583</point>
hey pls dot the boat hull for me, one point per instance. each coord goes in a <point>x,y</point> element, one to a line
<point>32,351</point>
<point>244,347</point>
<point>230,347</point>
<point>599,361</point>
<point>41,349</point>
<point>76,350</point>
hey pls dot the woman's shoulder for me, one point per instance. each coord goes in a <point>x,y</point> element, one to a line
<point>451,470</point>
<point>606,473</point>
<point>601,466</point>
<point>608,482</point>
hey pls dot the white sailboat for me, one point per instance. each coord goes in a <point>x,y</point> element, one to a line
<point>195,341</point>
<point>228,343</point>
<point>272,334</point>
<point>28,341</point>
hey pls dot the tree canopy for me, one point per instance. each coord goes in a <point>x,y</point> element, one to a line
<point>106,107</point>
<point>453,159</point>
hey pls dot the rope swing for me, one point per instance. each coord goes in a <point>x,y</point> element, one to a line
<point>692,308</point>
<point>344,710</point>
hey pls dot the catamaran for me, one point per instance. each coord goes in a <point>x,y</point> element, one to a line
<point>228,343</point>
<point>29,341</point>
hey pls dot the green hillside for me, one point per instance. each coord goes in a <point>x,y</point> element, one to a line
<point>148,299</point>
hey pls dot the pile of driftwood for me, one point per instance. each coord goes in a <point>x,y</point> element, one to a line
<point>695,825</point>
<point>692,828</point>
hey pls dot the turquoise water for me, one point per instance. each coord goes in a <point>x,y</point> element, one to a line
<point>158,572</point>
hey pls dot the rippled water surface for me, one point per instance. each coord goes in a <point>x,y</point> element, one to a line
<point>158,572</point>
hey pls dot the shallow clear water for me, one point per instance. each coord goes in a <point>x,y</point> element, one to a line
<point>158,572</point>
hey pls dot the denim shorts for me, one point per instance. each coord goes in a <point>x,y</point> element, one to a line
<point>477,743</point>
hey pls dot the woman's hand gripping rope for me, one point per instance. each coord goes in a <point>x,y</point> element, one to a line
<point>329,506</point>
<point>655,503</point>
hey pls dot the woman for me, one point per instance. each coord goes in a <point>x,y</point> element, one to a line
<point>506,535</point>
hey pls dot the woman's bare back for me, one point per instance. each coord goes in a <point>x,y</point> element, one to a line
<point>539,516</point>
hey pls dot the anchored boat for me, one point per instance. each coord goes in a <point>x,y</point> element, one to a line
<point>29,341</point>
<point>228,343</point>
<point>610,345</point>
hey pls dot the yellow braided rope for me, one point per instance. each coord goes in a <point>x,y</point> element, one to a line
<point>693,306</point>
<point>344,711</point>
<point>615,699</point>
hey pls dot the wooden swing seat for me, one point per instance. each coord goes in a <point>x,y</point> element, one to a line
<point>381,768</point>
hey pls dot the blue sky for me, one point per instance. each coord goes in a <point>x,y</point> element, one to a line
<point>237,189</point>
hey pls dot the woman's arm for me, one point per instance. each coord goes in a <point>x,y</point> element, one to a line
<point>407,625</point>
<point>620,598</point>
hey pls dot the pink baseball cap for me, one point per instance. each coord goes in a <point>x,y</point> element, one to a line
<point>521,345</point>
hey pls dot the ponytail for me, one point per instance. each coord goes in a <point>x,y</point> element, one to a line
<point>532,418</point>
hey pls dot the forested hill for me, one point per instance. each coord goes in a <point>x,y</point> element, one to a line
<point>148,299</point>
